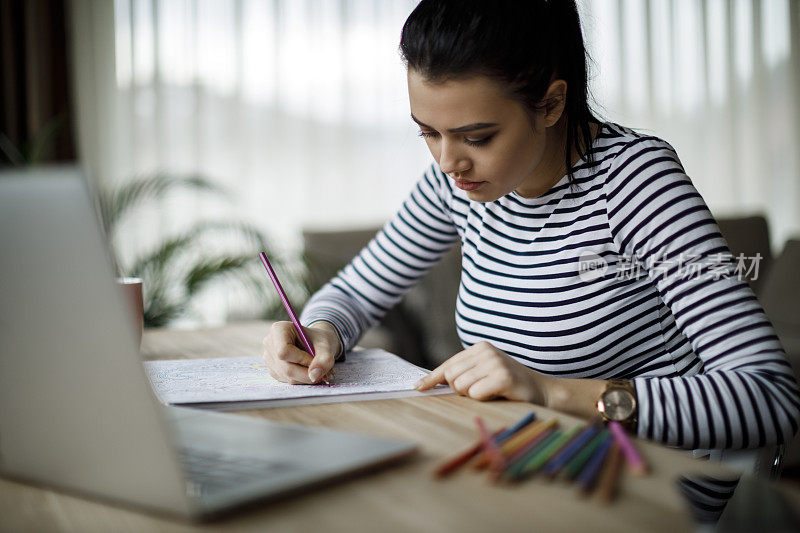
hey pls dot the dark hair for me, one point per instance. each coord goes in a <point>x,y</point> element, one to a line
<point>525,44</point>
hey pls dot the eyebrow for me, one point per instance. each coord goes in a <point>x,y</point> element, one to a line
<point>460,129</point>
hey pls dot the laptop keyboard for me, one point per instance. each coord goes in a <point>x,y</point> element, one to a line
<point>210,472</point>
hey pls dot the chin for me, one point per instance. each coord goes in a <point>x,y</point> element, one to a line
<point>481,196</point>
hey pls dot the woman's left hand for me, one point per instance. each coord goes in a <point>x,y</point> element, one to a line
<point>483,372</point>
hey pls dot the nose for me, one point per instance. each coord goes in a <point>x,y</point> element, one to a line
<point>451,160</point>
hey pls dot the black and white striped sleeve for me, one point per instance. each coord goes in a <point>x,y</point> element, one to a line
<point>378,277</point>
<point>744,394</point>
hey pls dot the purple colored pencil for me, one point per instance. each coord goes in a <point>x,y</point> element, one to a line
<point>635,460</point>
<point>288,306</point>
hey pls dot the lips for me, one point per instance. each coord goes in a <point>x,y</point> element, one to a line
<point>466,185</point>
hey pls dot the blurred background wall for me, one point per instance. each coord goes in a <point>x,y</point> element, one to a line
<point>35,119</point>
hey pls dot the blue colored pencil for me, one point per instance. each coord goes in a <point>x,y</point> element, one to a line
<point>590,472</point>
<point>562,458</point>
<point>577,463</point>
<point>524,421</point>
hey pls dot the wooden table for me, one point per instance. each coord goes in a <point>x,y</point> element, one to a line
<point>402,497</point>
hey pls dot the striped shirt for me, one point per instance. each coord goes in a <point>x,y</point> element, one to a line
<point>622,274</point>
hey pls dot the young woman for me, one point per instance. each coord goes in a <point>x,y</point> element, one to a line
<point>591,267</point>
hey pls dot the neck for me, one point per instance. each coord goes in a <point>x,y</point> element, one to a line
<point>553,166</point>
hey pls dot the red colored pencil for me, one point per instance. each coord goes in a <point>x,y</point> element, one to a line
<point>450,466</point>
<point>496,461</point>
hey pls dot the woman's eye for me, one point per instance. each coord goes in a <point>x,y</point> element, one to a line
<point>479,142</point>
<point>471,142</point>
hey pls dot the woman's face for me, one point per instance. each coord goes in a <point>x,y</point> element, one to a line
<point>486,141</point>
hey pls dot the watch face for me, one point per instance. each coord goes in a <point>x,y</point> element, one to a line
<point>618,404</point>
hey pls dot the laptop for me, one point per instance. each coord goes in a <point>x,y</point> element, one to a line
<point>76,409</point>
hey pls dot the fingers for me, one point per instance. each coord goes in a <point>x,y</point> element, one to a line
<point>326,346</point>
<point>289,353</point>
<point>475,372</point>
<point>478,383</point>
<point>320,366</point>
<point>435,377</point>
<point>291,373</point>
<point>464,381</point>
<point>289,363</point>
<point>447,372</point>
<point>483,389</point>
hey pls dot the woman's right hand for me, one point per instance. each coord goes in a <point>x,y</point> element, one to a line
<point>287,359</point>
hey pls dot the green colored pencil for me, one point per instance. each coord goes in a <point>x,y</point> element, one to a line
<point>534,461</point>
<point>512,472</point>
<point>577,463</point>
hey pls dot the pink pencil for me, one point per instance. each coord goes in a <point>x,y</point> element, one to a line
<point>635,460</point>
<point>288,306</point>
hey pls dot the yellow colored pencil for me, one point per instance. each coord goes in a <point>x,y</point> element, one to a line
<point>517,441</point>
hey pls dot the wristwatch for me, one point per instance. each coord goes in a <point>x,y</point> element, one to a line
<point>618,402</point>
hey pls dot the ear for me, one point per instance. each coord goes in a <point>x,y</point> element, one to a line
<point>554,101</point>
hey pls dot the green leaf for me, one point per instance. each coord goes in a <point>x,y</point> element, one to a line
<point>274,311</point>
<point>209,269</point>
<point>12,153</point>
<point>252,236</point>
<point>180,266</point>
<point>116,203</point>
<point>36,149</point>
<point>158,260</point>
<point>42,143</point>
<point>173,247</point>
<point>158,313</point>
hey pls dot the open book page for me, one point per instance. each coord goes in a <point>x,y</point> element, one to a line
<point>246,379</point>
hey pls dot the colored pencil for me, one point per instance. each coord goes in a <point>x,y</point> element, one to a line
<point>289,309</point>
<point>521,423</point>
<point>496,460</point>
<point>514,443</point>
<point>562,458</point>
<point>607,486</point>
<point>586,479</point>
<point>635,461</point>
<point>534,461</point>
<point>286,304</point>
<point>452,464</point>
<point>527,447</point>
<point>514,472</point>
<point>580,459</point>
<point>522,436</point>
<point>535,444</point>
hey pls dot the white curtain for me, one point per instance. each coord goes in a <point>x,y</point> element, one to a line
<point>300,106</point>
<point>720,80</point>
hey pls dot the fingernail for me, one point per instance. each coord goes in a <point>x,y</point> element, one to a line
<point>418,384</point>
<point>315,374</point>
